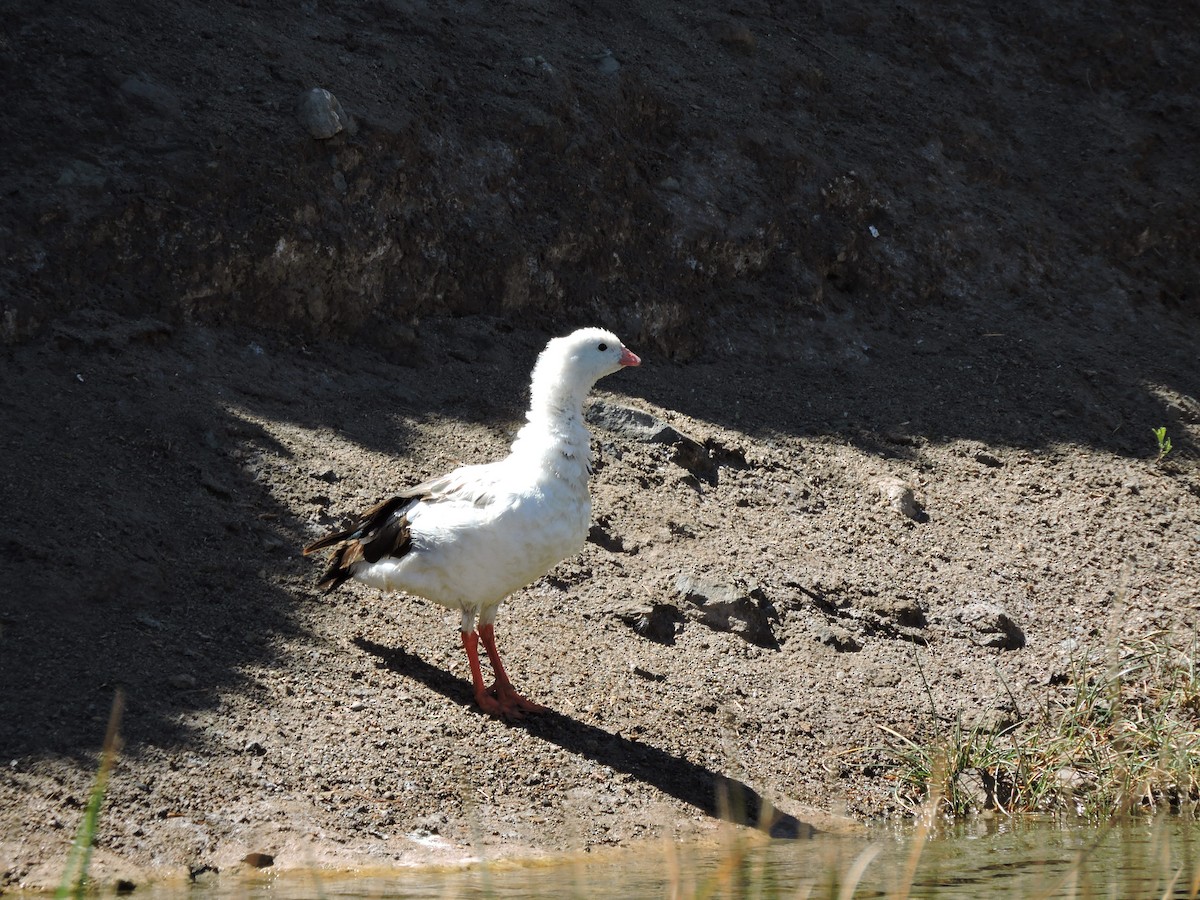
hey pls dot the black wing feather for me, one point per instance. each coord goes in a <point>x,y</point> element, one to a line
<point>383,530</point>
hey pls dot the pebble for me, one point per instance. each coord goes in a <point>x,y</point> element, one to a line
<point>537,64</point>
<point>992,625</point>
<point>607,64</point>
<point>321,113</point>
<point>153,96</point>
<point>724,607</point>
<point>977,785</point>
<point>1071,779</point>
<point>901,498</point>
<point>839,639</point>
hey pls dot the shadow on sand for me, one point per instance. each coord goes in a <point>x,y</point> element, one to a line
<point>713,794</point>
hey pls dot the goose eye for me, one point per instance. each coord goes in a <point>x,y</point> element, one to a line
<point>602,347</point>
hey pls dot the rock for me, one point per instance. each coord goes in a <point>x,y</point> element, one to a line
<point>151,96</point>
<point>537,64</point>
<point>702,460</point>
<point>630,422</point>
<point>900,497</point>
<point>658,622</point>
<point>976,788</point>
<point>991,626</point>
<point>696,458</point>
<point>83,174</point>
<point>988,459</point>
<point>431,824</point>
<point>321,113</point>
<point>1073,780</point>
<point>839,639</point>
<point>899,610</point>
<point>254,747</point>
<point>149,622</point>
<point>607,64</point>
<point>723,607</point>
<point>182,681</point>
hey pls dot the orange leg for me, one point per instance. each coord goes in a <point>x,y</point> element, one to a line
<point>513,704</point>
<point>483,696</point>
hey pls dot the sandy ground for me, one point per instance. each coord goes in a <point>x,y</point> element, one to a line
<point>756,622</point>
<point>912,287</point>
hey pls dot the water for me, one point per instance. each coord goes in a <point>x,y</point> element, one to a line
<point>1000,858</point>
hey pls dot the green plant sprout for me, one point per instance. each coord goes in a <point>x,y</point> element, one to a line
<point>75,877</point>
<point>1164,442</point>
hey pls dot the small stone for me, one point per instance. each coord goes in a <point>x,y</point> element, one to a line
<point>150,622</point>
<point>839,639</point>
<point>153,97</point>
<point>991,625</point>
<point>977,787</point>
<point>321,113</point>
<point>747,613</point>
<point>83,174</point>
<point>182,681</point>
<point>658,622</point>
<point>1071,779</point>
<point>900,497</point>
<point>988,459</point>
<point>696,458</point>
<point>607,64</point>
<point>537,64</point>
<point>900,610</point>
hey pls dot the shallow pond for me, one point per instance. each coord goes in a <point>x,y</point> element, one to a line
<point>1000,858</point>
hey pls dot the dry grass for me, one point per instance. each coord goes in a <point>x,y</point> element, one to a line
<point>1121,737</point>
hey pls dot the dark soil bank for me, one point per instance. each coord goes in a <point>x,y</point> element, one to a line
<point>912,285</point>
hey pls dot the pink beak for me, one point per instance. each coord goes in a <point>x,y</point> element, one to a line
<point>629,358</point>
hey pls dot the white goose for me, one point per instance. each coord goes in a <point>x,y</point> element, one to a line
<point>470,538</point>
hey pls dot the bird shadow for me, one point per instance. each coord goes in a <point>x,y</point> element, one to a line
<point>710,792</point>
